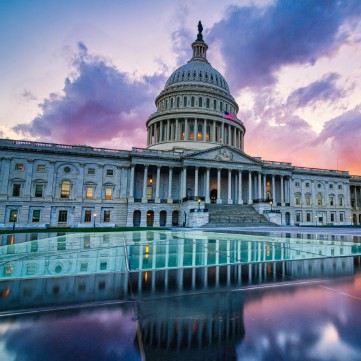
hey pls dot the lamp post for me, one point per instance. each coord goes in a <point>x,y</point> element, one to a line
<point>94,218</point>
<point>271,203</point>
<point>14,220</point>
<point>199,204</point>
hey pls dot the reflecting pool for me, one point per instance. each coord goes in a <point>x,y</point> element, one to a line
<point>166,295</point>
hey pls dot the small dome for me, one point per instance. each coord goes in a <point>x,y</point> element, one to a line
<point>196,71</point>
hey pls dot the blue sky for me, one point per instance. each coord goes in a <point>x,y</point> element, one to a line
<point>87,72</point>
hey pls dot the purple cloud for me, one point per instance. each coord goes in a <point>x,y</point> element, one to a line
<point>98,103</point>
<point>321,90</point>
<point>257,42</point>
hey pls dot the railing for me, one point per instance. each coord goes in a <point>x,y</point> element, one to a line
<point>193,198</point>
<point>262,200</point>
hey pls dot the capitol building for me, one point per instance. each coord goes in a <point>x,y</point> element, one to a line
<point>193,172</point>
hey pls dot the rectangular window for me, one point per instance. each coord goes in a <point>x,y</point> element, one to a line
<point>19,166</point>
<point>13,217</point>
<point>91,171</point>
<point>308,217</point>
<point>41,168</point>
<point>63,217</point>
<point>36,216</point>
<point>83,266</point>
<point>297,184</point>
<point>340,201</point>
<point>110,172</point>
<point>87,216</point>
<point>103,265</point>
<point>108,193</point>
<point>106,216</point>
<point>341,217</point>
<point>332,217</point>
<point>16,190</point>
<point>39,190</point>
<point>298,201</point>
<point>87,242</point>
<point>340,186</point>
<point>89,192</point>
<point>331,186</point>
<point>307,185</point>
<point>331,201</point>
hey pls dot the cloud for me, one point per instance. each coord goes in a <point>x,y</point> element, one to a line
<point>321,90</point>
<point>98,103</point>
<point>28,95</point>
<point>257,42</point>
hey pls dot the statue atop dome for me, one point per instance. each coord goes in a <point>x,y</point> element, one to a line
<point>200,29</point>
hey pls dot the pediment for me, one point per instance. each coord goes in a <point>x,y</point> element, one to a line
<point>224,154</point>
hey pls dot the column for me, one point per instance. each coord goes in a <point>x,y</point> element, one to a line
<point>223,140</point>
<point>145,180</point>
<point>176,130</point>
<point>131,184</point>
<point>168,130</point>
<point>185,129</point>
<point>214,131</point>
<point>282,192</point>
<point>155,133</point>
<point>219,199</point>
<point>170,179</point>
<point>355,193</point>
<point>250,198</point>
<point>264,186</point>
<point>230,201</point>
<point>274,190</point>
<point>240,200</point>
<point>207,185</point>
<point>184,182</point>
<point>196,182</point>
<point>229,135</point>
<point>161,131</point>
<point>195,129</point>
<point>157,185</point>
<point>259,185</point>
<point>205,130</point>
<point>235,136</point>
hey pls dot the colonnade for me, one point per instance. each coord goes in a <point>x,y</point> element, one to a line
<point>194,129</point>
<point>356,191</point>
<point>260,186</point>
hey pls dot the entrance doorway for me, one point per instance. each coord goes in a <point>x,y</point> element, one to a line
<point>213,195</point>
<point>288,218</point>
<point>136,218</point>
<point>175,217</point>
<point>150,218</point>
<point>162,218</point>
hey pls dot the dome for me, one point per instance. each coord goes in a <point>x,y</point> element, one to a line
<point>196,71</point>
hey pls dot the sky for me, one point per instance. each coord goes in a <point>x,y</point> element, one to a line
<point>88,71</point>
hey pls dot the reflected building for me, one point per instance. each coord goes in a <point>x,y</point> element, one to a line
<point>194,160</point>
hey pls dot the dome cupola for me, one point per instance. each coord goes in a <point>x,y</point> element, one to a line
<point>195,110</point>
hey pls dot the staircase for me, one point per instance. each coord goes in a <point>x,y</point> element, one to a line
<point>232,215</point>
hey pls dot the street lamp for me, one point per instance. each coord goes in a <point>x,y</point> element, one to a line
<point>14,219</point>
<point>271,203</point>
<point>94,218</point>
<point>199,204</point>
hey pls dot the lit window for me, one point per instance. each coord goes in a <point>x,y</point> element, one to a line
<point>19,166</point>
<point>16,189</point>
<point>110,172</point>
<point>38,190</point>
<point>319,199</point>
<point>65,189</point>
<point>13,216</point>
<point>41,168</point>
<point>106,216</point>
<point>297,199</point>
<point>149,192</point>
<point>63,217</point>
<point>91,171</point>
<point>87,216</point>
<point>108,192</point>
<point>308,217</point>
<point>308,200</point>
<point>89,192</point>
<point>36,216</point>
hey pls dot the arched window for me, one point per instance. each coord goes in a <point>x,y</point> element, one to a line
<point>185,101</point>
<point>297,199</point>
<point>319,199</point>
<point>207,103</point>
<point>171,103</point>
<point>340,201</point>
<point>178,101</point>
<point>214,104</point>
<point>166,104</point>
<point>65,189</point>
<point>308,200</point>
<point>192,102</point>
<point>221,106</point>
<point>200,102</point>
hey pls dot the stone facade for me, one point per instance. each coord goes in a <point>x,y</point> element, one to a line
<point>195,156</point>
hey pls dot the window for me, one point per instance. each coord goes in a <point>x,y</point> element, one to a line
<point>297,184</point>
<point>319,185</point>
<point>106,216</point>
<point>110,172</point>
<point>83,266</point>
<point>332,217</point>
<point>308,217</point>
<point>31,269</point>
<point>341,217</point>
<point>207,103</point>
<point>13,217</point>
<point>298,217</point>
<point>38,190</point>
<point>63,217</point>
<point>65,189</point>
<point>214,104</point>
<point>86,244</point>
<point>41,168</point>
<point>19,166</point>
<point>178,101</point>
<point>108,192</point>
<point>103,265</point>
<point>332,201</point>
<point>16,189</point>
<point>340,201</point>
<point>36,216</point>
<point>89,192</point>
<point>319,199</point>
<point>340,186</point>
<point>331,186</point>
<point>91,171</point>
<point>67,169</point>
<point>221,106</point>
<point>192,102</point>
<point>297,200</point>
<point>149,192</point>
<point>185,101</point>
<point>200,102</point>
<point>307,185</point>
<point>308,200</point>
<point>87,216</point>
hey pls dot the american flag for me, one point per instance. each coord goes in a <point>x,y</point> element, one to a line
<point>229,116</point>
